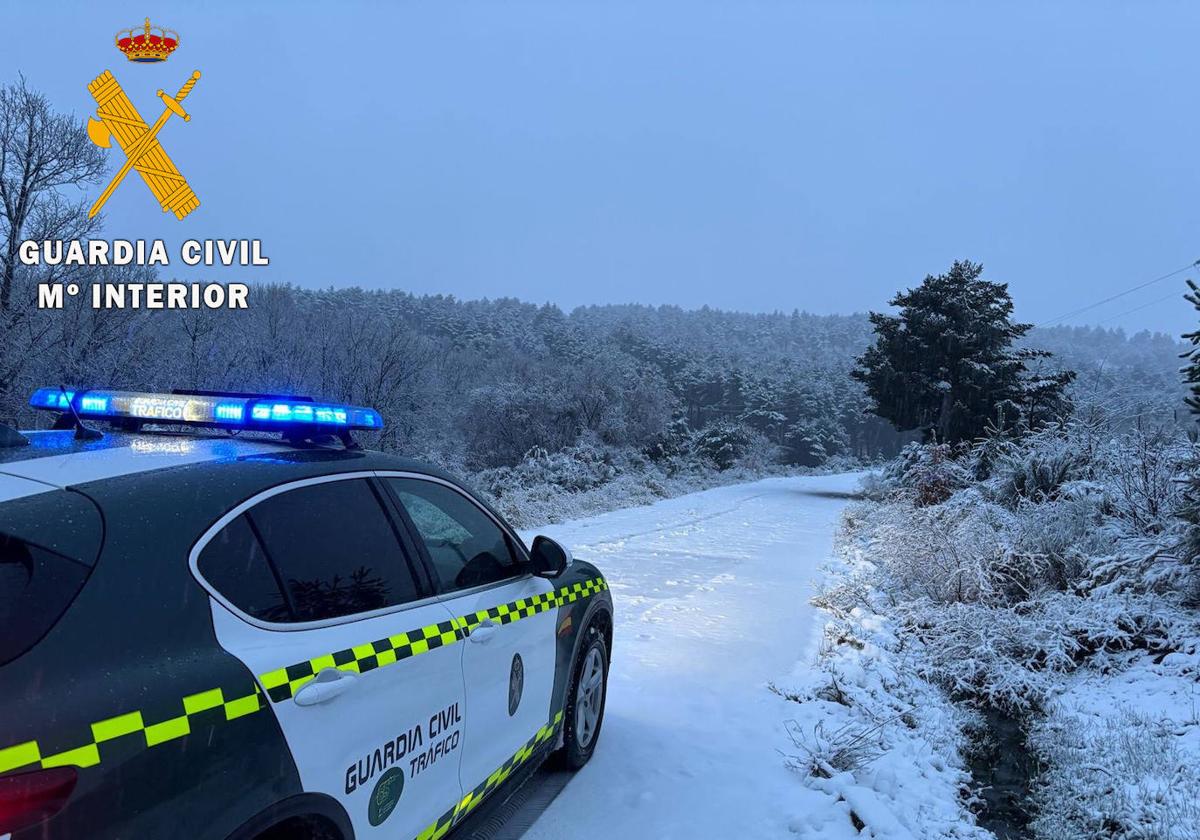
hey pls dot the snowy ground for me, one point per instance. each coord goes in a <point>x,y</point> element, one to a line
<point>712,597</point>
<point>1122,751</point>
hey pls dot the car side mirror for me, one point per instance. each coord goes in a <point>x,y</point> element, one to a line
<point>549,558</point>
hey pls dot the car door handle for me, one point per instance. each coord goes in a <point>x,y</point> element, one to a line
<point>483,631</point>
<point>327,684</point>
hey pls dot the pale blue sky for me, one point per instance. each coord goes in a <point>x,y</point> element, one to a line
<point>753,156</point>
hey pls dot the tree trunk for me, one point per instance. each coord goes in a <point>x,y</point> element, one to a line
<point>944,416</point>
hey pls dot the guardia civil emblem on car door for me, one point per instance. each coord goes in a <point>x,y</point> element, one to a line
<point>516,684</point>
<point>385,796</point>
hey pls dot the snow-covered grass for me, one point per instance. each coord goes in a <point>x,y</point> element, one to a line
<point>881,745</point>
<point>1121,751</point>
<point>1046,578</point>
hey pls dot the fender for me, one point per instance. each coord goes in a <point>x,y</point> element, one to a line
<point>301,805</point>
<point>581,615</point>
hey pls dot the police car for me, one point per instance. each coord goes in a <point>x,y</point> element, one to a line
<point>213,634</point>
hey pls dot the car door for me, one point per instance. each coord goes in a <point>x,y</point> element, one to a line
<point>316,589</point>
<point>509,656</point>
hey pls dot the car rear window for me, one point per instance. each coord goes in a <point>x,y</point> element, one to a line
<point>317,552</point>
<point>48,546</point>
<point>235,564</point>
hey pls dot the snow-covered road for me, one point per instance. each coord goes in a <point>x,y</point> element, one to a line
<point>711,593</point>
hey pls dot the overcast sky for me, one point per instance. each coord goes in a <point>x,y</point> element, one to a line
<point>754,156</point>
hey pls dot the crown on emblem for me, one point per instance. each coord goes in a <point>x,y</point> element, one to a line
<point>147,44</point>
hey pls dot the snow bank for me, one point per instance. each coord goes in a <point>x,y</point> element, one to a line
<point>880,744</point>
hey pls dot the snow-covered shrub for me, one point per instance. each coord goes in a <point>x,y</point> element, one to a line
<point>1058,514</point>
<point>1145,468</point>
<point>1036,467</point>
<point>723,443</point>
<point>954,552</point>
<point>501,422</point>
<point>1188,546</point>
<point>590,478</point>
<point>986,452</point>
<point>998,598</point>
<point>541,487</point>
<point>1154,570</point>
<point>580,467</point>
<point>1013,658</point>
<point>1061,561</point>
<point>673,442</point>
<point>1064,533</point>
<point>814,440</point>
<point>843,464</point>
<point>990,655</point>
<point>761,455</point>
<point>929,470</point>
<point>583,466</point>
<point>722,446</point>
<point>848,748</point>
<point>877,486</point>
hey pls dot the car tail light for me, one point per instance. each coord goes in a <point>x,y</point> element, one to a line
<point>30,798</point>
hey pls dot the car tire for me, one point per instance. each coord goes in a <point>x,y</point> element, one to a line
<point>586,698</point>
<point>302,828</point>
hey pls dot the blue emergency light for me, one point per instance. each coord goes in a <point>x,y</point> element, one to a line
<point>252,412</point>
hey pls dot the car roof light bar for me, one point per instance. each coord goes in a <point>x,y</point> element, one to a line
<point>215,410</point>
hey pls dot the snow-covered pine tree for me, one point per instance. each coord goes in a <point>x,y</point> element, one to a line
<point>946,365</point>
<point>1190,510</point>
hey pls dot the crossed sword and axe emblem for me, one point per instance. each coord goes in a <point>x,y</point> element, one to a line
<point>143,152</point>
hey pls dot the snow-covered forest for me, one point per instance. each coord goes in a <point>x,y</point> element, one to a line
<point>577,399</point>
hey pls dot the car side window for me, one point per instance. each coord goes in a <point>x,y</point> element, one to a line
<point>466,545</point>
<point>317,552</point>
<point>234,563</point>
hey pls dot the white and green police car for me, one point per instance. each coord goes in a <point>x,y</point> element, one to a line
<point>218,635</point>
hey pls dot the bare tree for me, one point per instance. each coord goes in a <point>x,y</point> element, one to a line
<point>41,153</point>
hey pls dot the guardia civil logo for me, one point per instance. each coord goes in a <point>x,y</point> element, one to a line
<point>118,118</point>
<point>385,796</point>
<point>516,684</point>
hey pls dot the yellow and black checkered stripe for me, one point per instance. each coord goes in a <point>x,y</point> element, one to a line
<point>283,683</point>
<point>217,705</point>
<point>468,803</point>
<point>208,708</point>
<point>133,730</point>
<point>526,607</point>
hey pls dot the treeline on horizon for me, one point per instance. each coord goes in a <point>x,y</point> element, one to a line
<point>482,383</point>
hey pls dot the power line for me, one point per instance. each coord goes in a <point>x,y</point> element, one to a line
<point>1177,295</point>
<point>1129,291</point>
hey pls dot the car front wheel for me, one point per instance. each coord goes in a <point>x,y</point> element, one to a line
<point>585,702</point>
